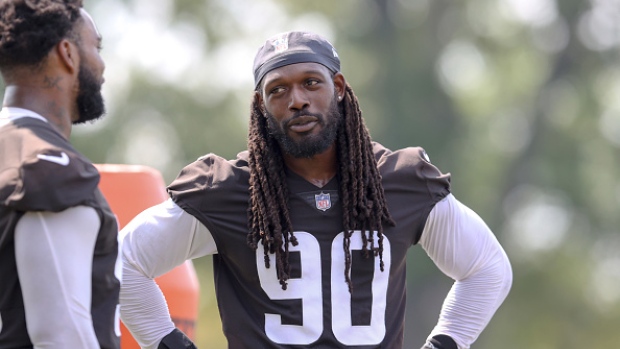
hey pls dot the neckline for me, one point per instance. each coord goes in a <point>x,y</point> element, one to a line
<point>332,184</point>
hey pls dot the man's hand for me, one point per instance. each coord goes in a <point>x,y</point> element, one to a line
<point>440,342</point>
<point>429,345</point>
<point>176,340</point>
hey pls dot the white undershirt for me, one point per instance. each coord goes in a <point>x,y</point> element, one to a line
<point>7,114</point>
<point>455,238</point>
<point>54,256</point>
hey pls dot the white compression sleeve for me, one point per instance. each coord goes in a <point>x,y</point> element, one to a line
<point>154,242</point>
<point>465,249</point>
<point>54,255</point>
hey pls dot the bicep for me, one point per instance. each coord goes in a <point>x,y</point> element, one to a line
<point>458,240</point>
<point>163,237</point>
<point>54,254</point>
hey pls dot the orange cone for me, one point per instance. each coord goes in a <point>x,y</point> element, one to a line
<point>130,189</point>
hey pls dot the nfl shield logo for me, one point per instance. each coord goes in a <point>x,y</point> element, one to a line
<point>323,201</point>
<point>280,44</point>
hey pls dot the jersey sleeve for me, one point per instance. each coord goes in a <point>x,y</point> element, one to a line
<point>412,167</point>
<point>212,189</point>
<point>410,180</point>
<point>51,179</point>
<point>194,179</point>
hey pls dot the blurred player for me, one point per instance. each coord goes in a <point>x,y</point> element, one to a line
<point>58,237</point>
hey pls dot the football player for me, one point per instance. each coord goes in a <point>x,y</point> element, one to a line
<point>59,260</point>
<point>310,227</point>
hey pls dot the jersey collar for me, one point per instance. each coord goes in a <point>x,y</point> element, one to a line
<point>13,113</point>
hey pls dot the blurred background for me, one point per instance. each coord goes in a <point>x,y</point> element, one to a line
<point>518,99</point>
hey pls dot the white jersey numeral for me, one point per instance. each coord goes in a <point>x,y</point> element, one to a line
<point>308,289</point>
<point>344,330</point>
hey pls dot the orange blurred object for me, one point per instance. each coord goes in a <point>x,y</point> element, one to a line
<point>130,189</point>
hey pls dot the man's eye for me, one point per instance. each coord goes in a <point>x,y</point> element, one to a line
<point>312,82</point>
<point>276,90</point>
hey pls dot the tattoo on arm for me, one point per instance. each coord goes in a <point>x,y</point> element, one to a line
<point>52,82</point>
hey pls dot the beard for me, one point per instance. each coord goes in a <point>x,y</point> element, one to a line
<point>312,144</point>
<point>90,105</point>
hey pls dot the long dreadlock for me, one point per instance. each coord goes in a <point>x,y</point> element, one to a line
<point>363,199</point>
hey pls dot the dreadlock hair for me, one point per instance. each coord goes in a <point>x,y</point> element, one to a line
<point>363,198</point>
<point>30,28</point>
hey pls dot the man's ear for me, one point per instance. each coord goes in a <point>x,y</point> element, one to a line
<point>340,85</point>
<point>68,55</point>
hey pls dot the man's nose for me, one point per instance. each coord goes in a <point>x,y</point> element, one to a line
<point>298,99</point>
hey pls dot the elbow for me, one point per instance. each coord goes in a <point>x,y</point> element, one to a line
<point>507,276</point>
<point>499,275</point>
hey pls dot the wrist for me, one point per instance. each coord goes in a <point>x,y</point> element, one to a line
<point>440,342</point>
<point>176,340</point>
<point>429,345</point>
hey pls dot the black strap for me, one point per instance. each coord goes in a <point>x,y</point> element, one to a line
<point>176,340</point>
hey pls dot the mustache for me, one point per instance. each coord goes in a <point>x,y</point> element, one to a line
<point>302,113</point>
<point>305,113</point>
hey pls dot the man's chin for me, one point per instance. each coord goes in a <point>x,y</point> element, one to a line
<point>307,149</point>
<point>90,107</point>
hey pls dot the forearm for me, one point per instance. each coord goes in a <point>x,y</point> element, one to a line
<point>156,241</point>
<point>472,302</point>
<point>143,308</point>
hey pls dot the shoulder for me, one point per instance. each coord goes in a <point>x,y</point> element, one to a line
<point>209,170</point>
<point>411,167</point>
<point>211,173</point>
<point>406,161</point>
<point>43,172</point>
<point>402,158</point>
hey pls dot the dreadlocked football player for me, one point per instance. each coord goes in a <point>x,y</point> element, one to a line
<point>310,227</point>
<point>58,237</point>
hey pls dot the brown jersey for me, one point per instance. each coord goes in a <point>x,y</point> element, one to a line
<point>317,309</point>
<point>41,171</point>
